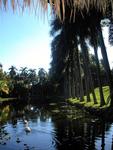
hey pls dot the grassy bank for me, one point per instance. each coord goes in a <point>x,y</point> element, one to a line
<point>105,112</point>
<point>6,99</point>
<point>91,104</point>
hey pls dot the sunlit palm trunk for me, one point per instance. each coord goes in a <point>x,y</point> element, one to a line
<point>106,64</point>
<point>91,80</point>
<point>102,101</point>
<point>83,48</point>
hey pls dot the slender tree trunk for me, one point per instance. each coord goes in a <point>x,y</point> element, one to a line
<point>76,83</point>
<point>106,64</point>
<point>102,101</point>
<point>79,75</point>
<point>65,86</point>
<point>91,80</point>
<point>72,73</point>
<point>83,48</point>
<point>69,83</point>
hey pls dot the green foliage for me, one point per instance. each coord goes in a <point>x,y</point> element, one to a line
<point>4,87</point>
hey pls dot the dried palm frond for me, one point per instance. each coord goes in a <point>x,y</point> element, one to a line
<point>58,5</point>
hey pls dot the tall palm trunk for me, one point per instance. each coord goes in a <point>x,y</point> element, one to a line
<point>65,85</point>
<point>102,101</point>
<point>106,64</point>
<point>83,48</point>
<point>69,81</point>
<point>72,61</point>
<point>79,75</point>
<point>91,80</point>
<point>73,74</point>
<point>76,80</point>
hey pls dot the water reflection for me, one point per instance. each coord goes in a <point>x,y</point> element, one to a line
<point>53,127</point>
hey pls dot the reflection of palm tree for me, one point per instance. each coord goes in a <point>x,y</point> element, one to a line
<point>103,137</point>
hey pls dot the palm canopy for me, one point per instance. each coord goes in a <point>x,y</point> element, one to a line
<point>58,5</point>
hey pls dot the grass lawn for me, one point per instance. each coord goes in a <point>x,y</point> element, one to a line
<point>91,104</point>
<point>6,99</point>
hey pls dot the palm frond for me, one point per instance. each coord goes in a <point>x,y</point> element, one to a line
<point>58,5</point>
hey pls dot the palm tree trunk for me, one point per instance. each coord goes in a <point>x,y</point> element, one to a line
<point>79,75</point>
<point>69,83</point>
<point>83,48</point>
<point>91,80</point>
<point>106,64</point>
<point>65,85</point>
<point>102,101</point>
<point>72,73</point>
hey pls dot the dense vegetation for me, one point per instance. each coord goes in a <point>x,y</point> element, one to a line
<point>28,84</point>
<point>25,83</point>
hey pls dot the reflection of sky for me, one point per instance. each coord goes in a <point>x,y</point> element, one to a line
<point>108,140</point>
<point>41,137</point>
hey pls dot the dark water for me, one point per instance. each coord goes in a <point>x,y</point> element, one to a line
<point>53,127</point>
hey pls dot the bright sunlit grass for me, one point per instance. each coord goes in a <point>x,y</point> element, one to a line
<point>91,104</point>
<point>6,99</point>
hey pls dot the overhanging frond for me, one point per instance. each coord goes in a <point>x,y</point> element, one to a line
<point>58,5</point>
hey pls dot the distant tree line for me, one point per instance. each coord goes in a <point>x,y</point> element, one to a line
<point>25,83</point>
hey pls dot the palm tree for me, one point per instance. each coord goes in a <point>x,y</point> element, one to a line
<point>12,72</point>
<point>95,44</point>
<point>33,79</point>
<point>43,78</point>
<point>42,75</point>
<point>102,102</point>
<point>106,63</point>
<point>24,73</point>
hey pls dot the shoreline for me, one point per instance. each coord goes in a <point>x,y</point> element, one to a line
<point>105,113</point>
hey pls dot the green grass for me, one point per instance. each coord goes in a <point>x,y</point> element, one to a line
<point>6,99</point>
<point>91,104</point>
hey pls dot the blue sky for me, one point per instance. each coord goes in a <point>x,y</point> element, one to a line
<point>24,40</point>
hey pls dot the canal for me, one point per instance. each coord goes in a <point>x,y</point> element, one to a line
<point>52,127</point>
